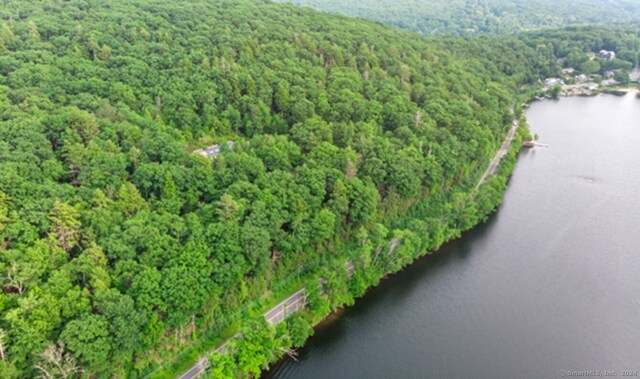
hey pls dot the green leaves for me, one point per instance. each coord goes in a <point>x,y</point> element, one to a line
<point>323,225</point>
<point>89,340</point>
<point>590,67</point>
<point>459,18</point>
<point>170,200</point>
<point>65,225</point>
<point>124,323</point>
<point>299,330</point>
<point>119,241</point>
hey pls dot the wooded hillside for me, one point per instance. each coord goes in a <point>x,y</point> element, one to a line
<point>475,17</point>
<point>119,244</point>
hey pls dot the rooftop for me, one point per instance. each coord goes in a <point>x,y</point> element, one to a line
<point>213,150</point>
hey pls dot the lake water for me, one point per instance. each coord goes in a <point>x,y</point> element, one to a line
<point>549,286</point>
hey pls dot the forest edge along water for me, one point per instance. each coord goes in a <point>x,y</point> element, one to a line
<point>539,290</point>
<point>278,313</point>
<point>171,171</point>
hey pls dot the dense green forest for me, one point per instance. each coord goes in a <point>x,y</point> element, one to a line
<point>472,17</point>
<point>120,247</point>
<point>528,57</point>
<point>119,244</point>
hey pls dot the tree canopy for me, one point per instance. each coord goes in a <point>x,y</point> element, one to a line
<point>493,17</point>
<point>119,242</point>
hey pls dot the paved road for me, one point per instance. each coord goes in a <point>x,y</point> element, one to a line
<point>297,301</point>
<point>275,315</point>
<point>196,370</point>
<point>288,306</point>
<point>493,166</point>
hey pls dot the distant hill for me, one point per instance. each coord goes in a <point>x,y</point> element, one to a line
<point>471,17</point>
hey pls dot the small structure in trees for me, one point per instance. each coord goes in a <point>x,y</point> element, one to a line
<point>607,55</point>
<point>213,150</point>
<point>550,82</point>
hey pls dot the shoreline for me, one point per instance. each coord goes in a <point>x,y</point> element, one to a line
<point>605,99</point>
<point>619,91</point>
<point>504,164</point>
<point>628,89</point>
<point>337,314</point>
<point>385,280</point>
<point>571,92</point>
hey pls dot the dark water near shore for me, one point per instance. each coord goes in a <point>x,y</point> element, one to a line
<point>550,283</point>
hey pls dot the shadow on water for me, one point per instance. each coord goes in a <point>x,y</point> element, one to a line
<point>394,289</point>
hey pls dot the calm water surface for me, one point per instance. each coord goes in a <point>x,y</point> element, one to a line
<point>550,283</point>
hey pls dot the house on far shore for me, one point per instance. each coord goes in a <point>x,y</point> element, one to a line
<point>567,71</point>
<point>608,74</point>
<point>581,78</point>
<point>549,82</point>
<point>607,55</point>
<point>589,86</point>
<point>213,150</point>
<point>609,83</point>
